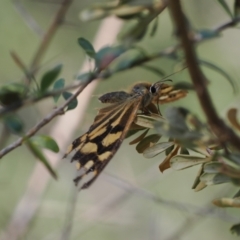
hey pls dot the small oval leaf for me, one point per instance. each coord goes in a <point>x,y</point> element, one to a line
<point>73,104</point>
<point>214,178</point>
<point>58,85</point>
<point>13,123</point>
<point>184,86</point>
<point>227,202</point>
<point>157,149</point>
<point>92,14</point>
<point>147,121</point>
<point>87,47</point>
<point>212,167</point>
<point>236,229</point>
<point>232,117</point>
<point>155,70</point>
<point>139,138</point>
<point>85,77</point>
<point>182,161</point>
<point>220,71</point>
<point>40,156</point>
<point>12,93</point>
<point>49,77</point>
<point>147,142</point>
<point>106,55</point>
<point>226,7</point>
<point>208,34</point>
<point>45,142</point>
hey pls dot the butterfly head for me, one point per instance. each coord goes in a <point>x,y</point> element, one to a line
<point>156,87</point>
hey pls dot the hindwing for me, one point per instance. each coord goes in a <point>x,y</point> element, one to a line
<point>95,148</point>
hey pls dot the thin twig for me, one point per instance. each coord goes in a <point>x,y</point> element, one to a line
<point>29,20</point>
<point>144,59</point>
<point>62,130</point>
<point>188,208</point>
<point>232,23</point>
<point>35,99</point>
<point>19,62</point>
<point>67,227</point>
<point>48,36</point>
<point>43,122</point>
<point>4,136</point>
<point>224,133</point>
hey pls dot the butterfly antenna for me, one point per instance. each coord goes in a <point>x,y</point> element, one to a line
<point>172,74</point>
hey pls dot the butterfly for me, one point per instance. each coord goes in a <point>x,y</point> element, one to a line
<point>95,148</point>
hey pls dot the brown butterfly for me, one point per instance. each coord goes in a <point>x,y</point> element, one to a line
<point>97,146</point>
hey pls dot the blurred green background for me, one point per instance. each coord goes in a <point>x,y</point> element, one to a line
<point>111,208</point>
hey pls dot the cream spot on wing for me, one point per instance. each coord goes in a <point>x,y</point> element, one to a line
<point>97,133</point>
<point>89,164</point>
<point>78,165</point>
<point>83,138</point>
<point>111,138</point>
<point>69,149</point>
<point>166,90</point>
<point>79,147</point>
<point>104,156</point>
<point>163,97</point>
<point>89,148</point>
<point>117,121</point>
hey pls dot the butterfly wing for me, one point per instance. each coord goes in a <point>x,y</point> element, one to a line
<point>95,148</point>
<point>169,93</point>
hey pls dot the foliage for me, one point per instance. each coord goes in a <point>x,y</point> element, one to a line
<point>181,135</point>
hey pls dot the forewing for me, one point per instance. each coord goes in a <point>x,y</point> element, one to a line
<point>169,94</point>
<point>114,97</point>
<point>95,148</point>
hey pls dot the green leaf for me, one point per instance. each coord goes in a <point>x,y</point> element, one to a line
<point>225,7</point>
<point>184,86</point>
<point>92,14</point>
<point>157,149</point>
<point>236,8</point>
<point>212,167</point>
<point>235,229</point>
<point>87,47</point>
<point>208,34</point>
<point>49,77</point>
<point>107,54</point>
<point>12,93</point>
<point>73,104</point>
<point>222,72</point>
<point>13,123</point>
<point>132,132</point>
<point>176,118</point>
<point>182,161</point>
<point>237,194</point>
<point>214,178</point>
<point>139,138</point>
<point>85,77</point>
<point>234,158</point>
<point>147,142</point>
<point>147,121</point>
<point>227,202</point>
<point>184,151</point>
<point>138,30</point>
<point>58,85</point>
<point>45,142</point>
<point>154,28</point>
<point>155,70</point>
<point>40,156</point>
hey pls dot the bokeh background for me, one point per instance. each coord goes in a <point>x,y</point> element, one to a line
<point>131,199</point>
